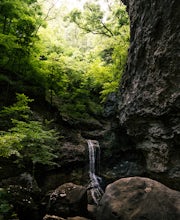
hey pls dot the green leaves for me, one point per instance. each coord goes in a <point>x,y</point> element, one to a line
<point>27,139</point>
<point>37,142</point>
<point>19,23</point>
<point>91,20</point>
<point>69,64</point>
<point>94,20</point>
<point>19,110</point>
<point>104,71</point>
<point>13,13</point>
<point>10,144</point>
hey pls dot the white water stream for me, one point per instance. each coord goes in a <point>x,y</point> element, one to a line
<point>94,161</point>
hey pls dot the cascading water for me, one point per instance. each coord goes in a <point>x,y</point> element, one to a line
<point>94,160</point>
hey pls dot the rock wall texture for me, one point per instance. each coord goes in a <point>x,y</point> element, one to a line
<point>148,100</point>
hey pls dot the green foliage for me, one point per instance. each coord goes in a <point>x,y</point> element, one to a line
<point>109,87</point>
<point>91,20</point>
<point>105,70</point>
<point>19,110</point>
<point>10,144</point>
<point>19,22</point>
<point>73,63</point>
<point>37,142</point>
<point>28,140</point>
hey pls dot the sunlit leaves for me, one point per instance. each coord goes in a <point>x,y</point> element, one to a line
<point>27,139</point>
<point>10,144</point>
<point>91,20</point>
<point>19,110</point>
<point>70,66</point>
<point>37,142</point>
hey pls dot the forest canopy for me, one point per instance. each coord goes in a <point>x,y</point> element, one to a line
<point>72,57</point>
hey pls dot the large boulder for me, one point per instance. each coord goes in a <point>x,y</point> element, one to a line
<point>68,200</point>
<point>137,198</point>
<point>149,96</point>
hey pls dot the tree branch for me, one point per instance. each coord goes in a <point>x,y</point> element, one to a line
<point>111,34</point>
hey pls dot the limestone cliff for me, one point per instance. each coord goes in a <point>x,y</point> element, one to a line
<point>148,100</point>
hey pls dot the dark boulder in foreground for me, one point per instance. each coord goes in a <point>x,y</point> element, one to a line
<point>68,200</point>
<point>137,198</point>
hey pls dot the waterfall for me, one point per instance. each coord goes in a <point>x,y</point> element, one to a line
<point>94,163</point>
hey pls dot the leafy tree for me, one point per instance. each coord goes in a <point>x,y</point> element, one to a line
<point>10,144</point>
<point>91,20</point>
<point>112,27</point>
<point>73,65</point>
<point>19,111</point>
<point>83,68</point>
<point>37,142</point>
<point>31,141</point>
<point>19,21</point>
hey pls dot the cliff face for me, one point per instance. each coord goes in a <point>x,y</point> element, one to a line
<point>148,100</point>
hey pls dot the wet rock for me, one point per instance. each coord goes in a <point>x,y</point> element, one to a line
<point>70,153</point>
<point>123,169</point>
<point>136,198</point>
<point>149,96</point>
<point>68,200</point>
<point>72,165</point>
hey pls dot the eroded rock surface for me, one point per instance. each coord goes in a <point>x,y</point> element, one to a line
<point>149,97</point>
<point>136,198</point>
<point>68,200</point>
